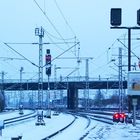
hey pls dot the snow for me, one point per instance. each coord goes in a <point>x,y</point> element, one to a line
<point>114,132</point>
<point>96,131</point>
<point>29,130</point>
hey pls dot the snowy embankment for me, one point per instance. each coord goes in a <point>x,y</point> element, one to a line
<point>28,130</point>
<point>77,131</point>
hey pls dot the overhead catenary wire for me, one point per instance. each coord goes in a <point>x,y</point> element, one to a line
<point>20,54</point>
<point>63,52</point>
<point>127,48</point>
<point>103,66</point>
<point>109,48</point>
<point>48,19</point>
<point>57,43</point>
<point>55,37</point>
<point>52,40</point>
<point>34,63</point>
<point>66,21</point>
<point>58,7</point>
<point>62,14</point>
<point>11,58</point>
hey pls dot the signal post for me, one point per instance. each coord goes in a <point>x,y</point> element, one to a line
<point>48,73</point>
<point>115,21</point>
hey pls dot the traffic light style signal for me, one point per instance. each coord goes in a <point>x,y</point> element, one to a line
<point>138,17</point>
<point>48,64</point>
<point>48,59</point>
<point>116,16</point>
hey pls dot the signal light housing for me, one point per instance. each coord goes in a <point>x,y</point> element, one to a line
<point>116,16</point>
<point>138,17</point>
<point>48,63</point>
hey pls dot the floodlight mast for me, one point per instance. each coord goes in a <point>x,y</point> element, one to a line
<point>40,32</point>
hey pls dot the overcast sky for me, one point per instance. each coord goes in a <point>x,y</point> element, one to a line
<point>89,21</point>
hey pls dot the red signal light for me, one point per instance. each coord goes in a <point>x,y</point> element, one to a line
<point>122,115</point>
<point>116,116</point>
<point>119,117</point>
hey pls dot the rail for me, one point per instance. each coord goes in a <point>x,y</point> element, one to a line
<point>19,118</point>
<point>60,130</point>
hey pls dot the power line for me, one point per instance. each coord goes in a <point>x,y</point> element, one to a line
<point>56,43</point>
<point>52,40</point>
<point>127,48</point>
<point>58,37</point>
<point>63,52</point>
<point>50,22</point>
<point>11,58</point>
<point>20,55</point>
<point>58,7</point>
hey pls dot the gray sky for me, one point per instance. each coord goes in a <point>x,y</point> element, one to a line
<point>90,21</point>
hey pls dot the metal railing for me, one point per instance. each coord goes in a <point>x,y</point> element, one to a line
<point>64,79</point>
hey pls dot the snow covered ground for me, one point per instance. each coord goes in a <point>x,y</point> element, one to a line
<point>78,130</point>
<point>114,132</point>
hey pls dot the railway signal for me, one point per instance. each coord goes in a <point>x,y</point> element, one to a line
<point>116,16</point>
<point>139,63</point>
<point>138,17</point>
<point>48,62</point>
<point>119,117</point>
<point>48,73</point>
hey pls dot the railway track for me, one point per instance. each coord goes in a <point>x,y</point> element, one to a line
<point>105,117</point>
<point>19,118</point>
<point>73,122</point>
<point>60,130</point>
<point>85,118</point>
<point>88,127</point>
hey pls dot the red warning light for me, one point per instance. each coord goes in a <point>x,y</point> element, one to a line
<point>139,63</point>
<point>122,115</point>
<point>119,117</point>
<point>116,116</point>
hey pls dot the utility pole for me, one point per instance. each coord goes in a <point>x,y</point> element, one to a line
<point>40,32</point>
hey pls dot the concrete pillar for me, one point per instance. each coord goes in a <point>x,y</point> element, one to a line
<point>72,97</point>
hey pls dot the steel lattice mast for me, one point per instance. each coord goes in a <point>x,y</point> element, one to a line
<point>40,32</point>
